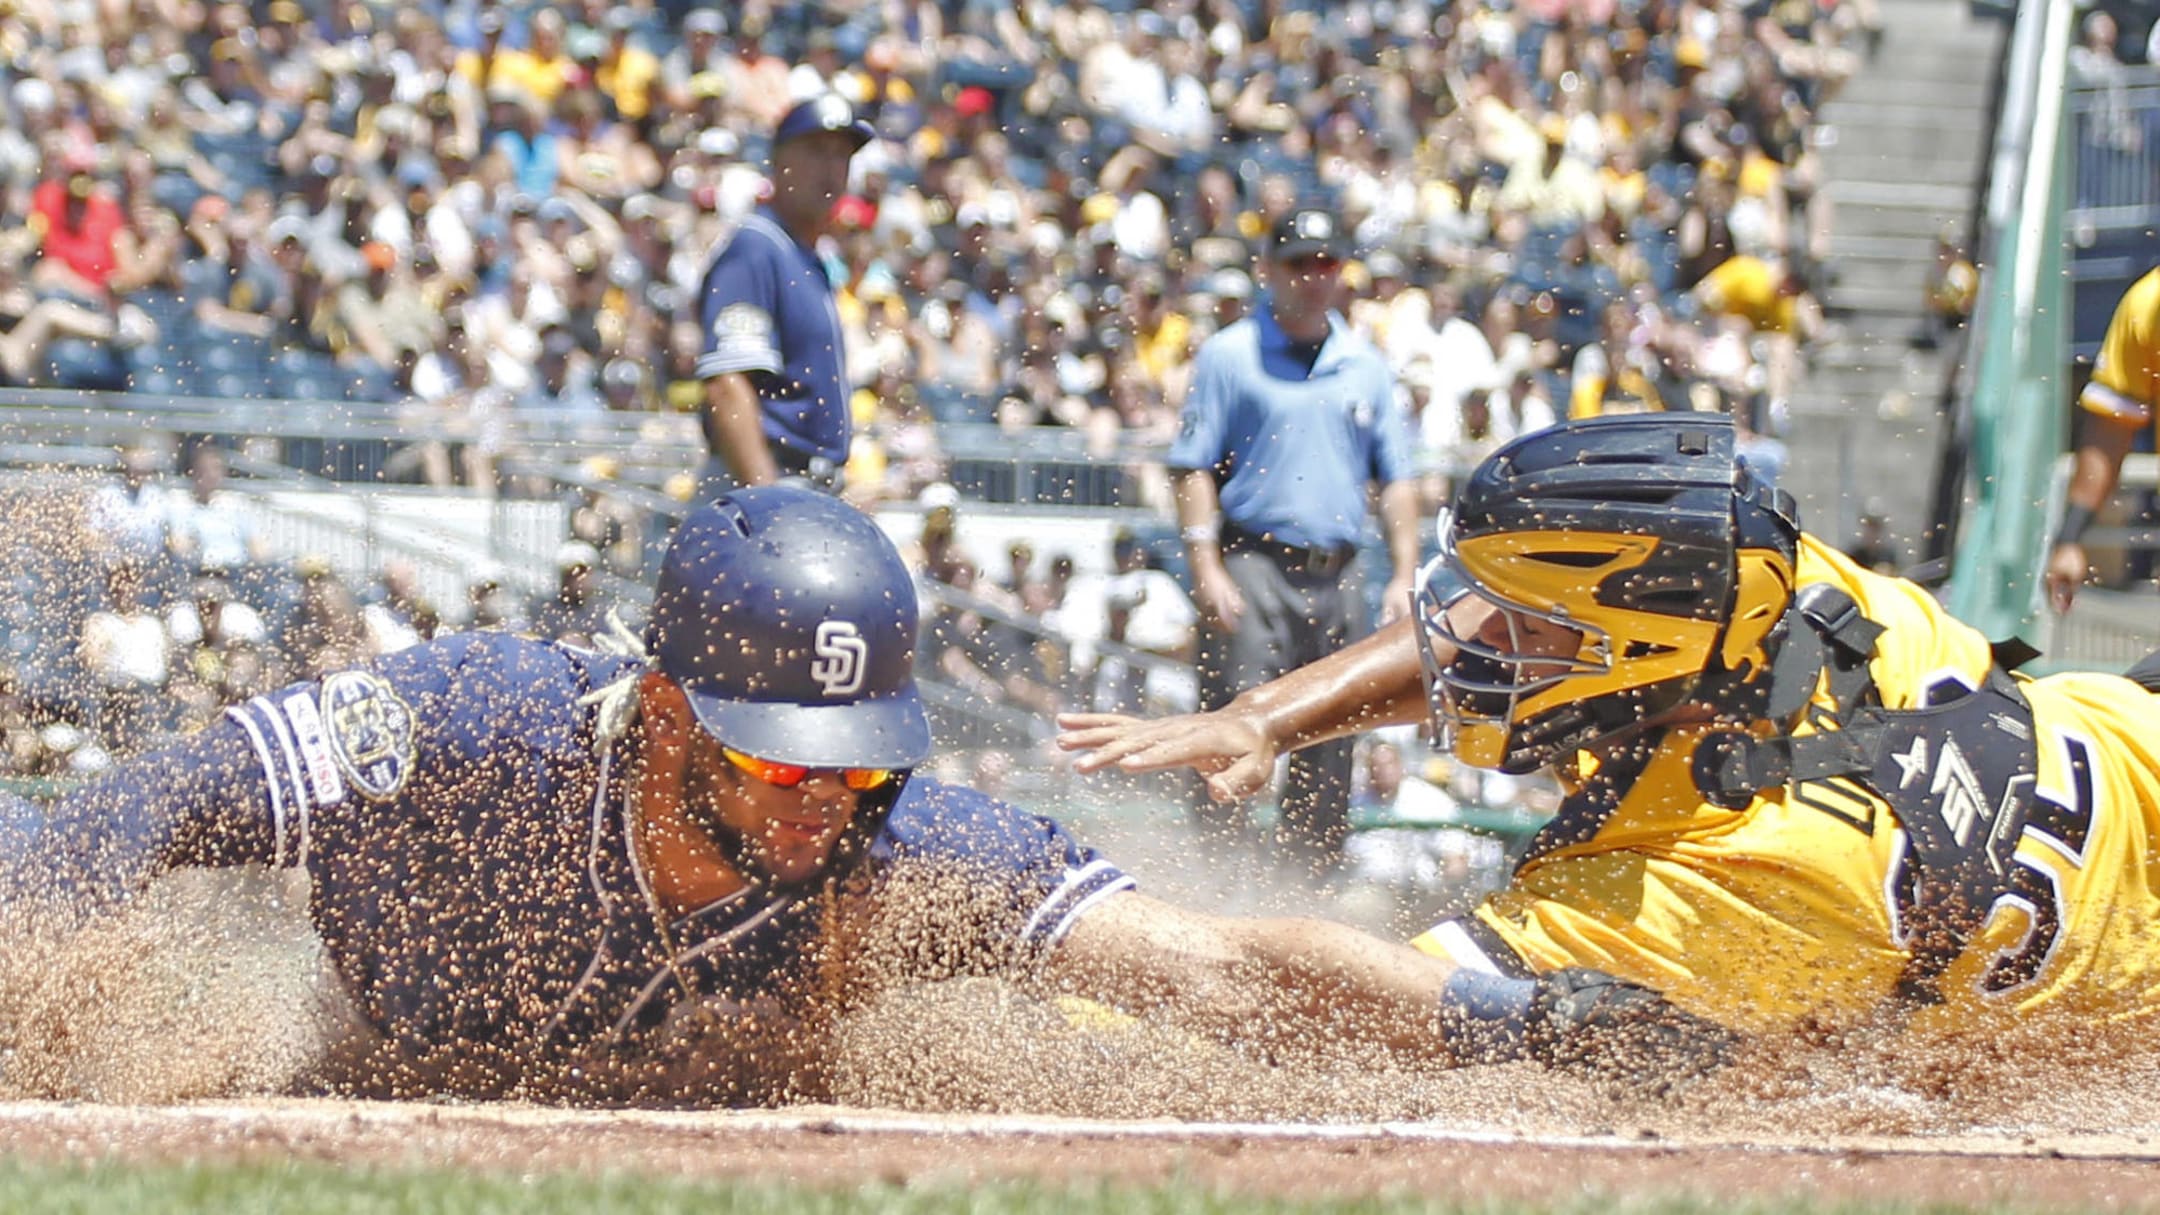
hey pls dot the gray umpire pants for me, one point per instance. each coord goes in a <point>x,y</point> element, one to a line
<point>1292,618</point>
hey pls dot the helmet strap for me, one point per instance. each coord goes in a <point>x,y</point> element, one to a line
<point>1828,643</point>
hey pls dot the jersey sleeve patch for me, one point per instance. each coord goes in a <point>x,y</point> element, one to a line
<point>325,785</point>
<point>741,340</point>
<point>370,731</point>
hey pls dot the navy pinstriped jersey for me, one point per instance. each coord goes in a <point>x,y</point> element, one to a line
<point>767,307</point>
<point>471,874</point>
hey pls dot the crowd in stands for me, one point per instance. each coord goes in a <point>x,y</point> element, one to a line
<point>479,209</point>
<point>484,210</point>
<point>138,609</point>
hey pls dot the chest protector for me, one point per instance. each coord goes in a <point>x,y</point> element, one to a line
<point>1958,773</point>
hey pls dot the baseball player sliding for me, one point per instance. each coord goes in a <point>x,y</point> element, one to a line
<point>529,860</point>
<point>1800,792</point>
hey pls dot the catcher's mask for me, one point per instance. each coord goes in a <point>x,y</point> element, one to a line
<point>1596,576</point>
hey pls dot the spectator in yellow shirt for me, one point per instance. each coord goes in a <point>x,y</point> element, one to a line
<point>1774,300</point>
<point>542,68</point>
<point>1763,293</point>
<point>1953,287</point>
<point>627,71</point>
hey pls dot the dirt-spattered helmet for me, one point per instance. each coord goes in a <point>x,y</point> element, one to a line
<point>1599,574</point>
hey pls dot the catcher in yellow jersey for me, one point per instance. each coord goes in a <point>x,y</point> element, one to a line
<point>1798,789</point>
<point>2122,398</point>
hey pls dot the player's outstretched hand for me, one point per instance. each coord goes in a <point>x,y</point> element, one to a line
<point>2067,568</point>
<point>1590,1022</point>
<point>1226,747</point>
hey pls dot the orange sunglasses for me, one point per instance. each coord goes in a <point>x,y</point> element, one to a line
<point>788,776</point>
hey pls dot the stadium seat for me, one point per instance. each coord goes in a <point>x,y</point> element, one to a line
<point>369,384</point>
<point>237,352</point>
<point>87,366</point>
<point>154,381</point>
<point>1673,177</point>
<point>167,308</point>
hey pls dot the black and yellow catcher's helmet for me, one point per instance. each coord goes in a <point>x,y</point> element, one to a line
<point>1598,574</point>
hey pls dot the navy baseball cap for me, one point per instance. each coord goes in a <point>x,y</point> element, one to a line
<point>824,112</point>
<point>1305,232</point>
<point>788,619</point>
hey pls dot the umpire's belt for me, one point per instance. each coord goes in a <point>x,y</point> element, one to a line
<point>1318,562</point>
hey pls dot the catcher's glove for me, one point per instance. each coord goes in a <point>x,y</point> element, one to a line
<point>1587,1021</point>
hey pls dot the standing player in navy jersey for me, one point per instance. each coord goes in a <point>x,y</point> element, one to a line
<point>776,389</point>
<point>529,860</point>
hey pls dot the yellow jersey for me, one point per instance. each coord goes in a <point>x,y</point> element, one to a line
<point>1747,287</point>
<point>2126,377</point>
<point>1794,907</point>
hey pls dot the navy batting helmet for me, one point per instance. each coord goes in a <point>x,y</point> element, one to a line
<point>788,620</point>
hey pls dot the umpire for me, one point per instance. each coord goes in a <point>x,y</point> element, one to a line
<point>1291,419</point>
<point>776,388</point>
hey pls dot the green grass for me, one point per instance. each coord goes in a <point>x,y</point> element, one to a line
<point>289,1187</point>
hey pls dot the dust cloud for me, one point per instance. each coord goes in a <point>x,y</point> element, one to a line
<point>214,985</point>
<point>926,1041</point>
<point>211,983</point>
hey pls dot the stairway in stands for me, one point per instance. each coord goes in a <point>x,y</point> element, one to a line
<point>1909,138</point>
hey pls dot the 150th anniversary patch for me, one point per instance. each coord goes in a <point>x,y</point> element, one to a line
<point>370,731</point>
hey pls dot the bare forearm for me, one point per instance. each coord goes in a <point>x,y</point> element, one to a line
<point>735,429</point>
<point>1279,983</point>
<point>1199,513</point>
<point>1336,981</point>
<point>1375,682</point>
<point>2098,464</point>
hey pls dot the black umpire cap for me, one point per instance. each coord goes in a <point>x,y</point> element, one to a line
<point>824,112</point>
<point>1305,232</point>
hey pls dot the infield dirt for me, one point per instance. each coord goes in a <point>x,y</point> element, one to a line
<point>162,1038</point>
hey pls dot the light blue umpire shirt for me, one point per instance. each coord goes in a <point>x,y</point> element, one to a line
<point>1294,449</point>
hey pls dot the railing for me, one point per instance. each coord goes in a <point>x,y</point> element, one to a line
<point>351,441</point>
<point>2115,133</point>
<point>330,503</point>
<point>2010,86</point>
<point>2012,419</point>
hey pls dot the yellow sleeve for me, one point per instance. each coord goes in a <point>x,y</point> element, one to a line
<point>1586,397</point>
<point>2126,377</point>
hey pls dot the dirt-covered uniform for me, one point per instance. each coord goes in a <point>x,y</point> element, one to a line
<point>465,828</point>
<point>1804,901</point>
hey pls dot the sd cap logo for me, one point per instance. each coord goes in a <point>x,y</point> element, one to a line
<point>842,655</point>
